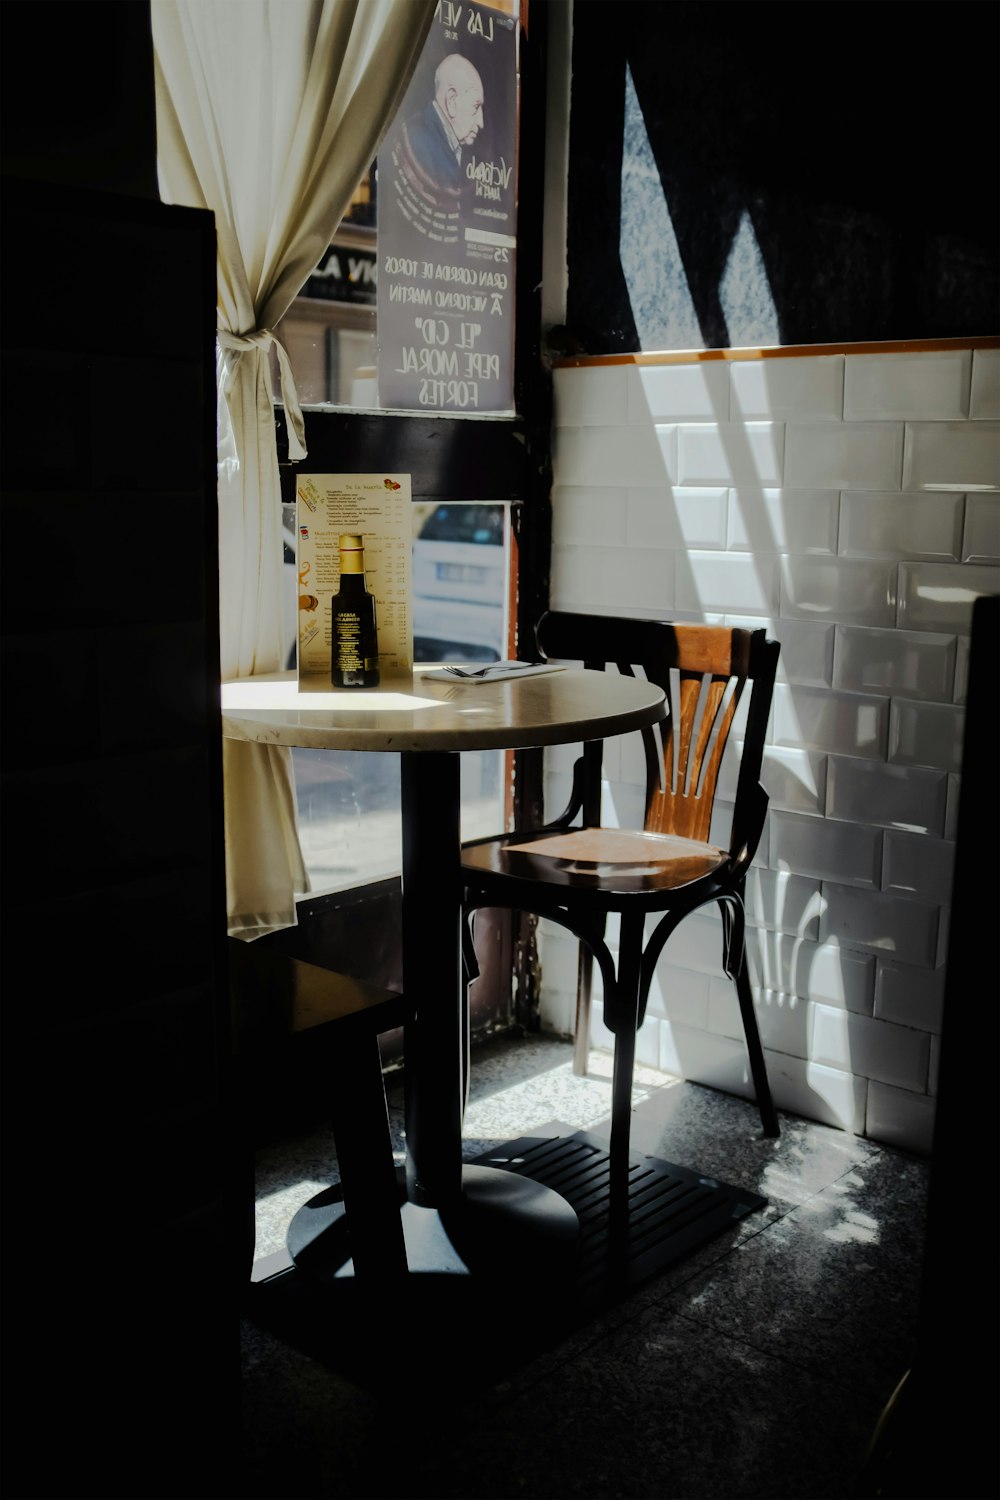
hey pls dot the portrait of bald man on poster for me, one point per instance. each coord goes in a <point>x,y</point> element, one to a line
<point>435,138</point>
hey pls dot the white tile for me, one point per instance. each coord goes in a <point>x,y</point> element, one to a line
<point>795,780</point>
<point>809,388</point>
<point>782,1020</point>
<point>846,593</point>
<point>723,1011</point>
<point>715,1061</point>
<point>981,542</point>
<point>865,791</point>
<point>721,832</point>
<point>682,518</point>
<point>589,515</point>
<point>910,996</point>
<point>589,394</point>
<point>556,1011</point>
<point>697,943</point>
<point>710,580</point>
<point>896,1055</point>
<point>736,453</point>
<point>647,1043</point>
<point>923,525</point>
<point>904,930</point>
<point>632,758</point>
<point>829,1095</point>
<point>944,934</point>
<point>844,456</point>
<point>838,976</point>
<point>679,995</point>
<point>915,663</point>
<point>940,596</point>
<point>679,393</point>
<point>602,1039</point>
<point>962,645</point>
<point>932,384</point>
<point>621,577</point>
<point>560,758</point>
<point>623,805</point>
<point>844,723</point>
<point>951,821</point>
<point>782,520</point>
<point>828,972</point>
<point>845,852</point>
<point>806,656</point>
<point>951,456</point>
<point>934,1072</point>
<point>782,901</point>
<point>896,1117</point>
<point>614,455</point>
<point>926,734</point>
<point>915,865</point>
<point>611,757</point>
<point>557,788</point>
<point>985,400</point>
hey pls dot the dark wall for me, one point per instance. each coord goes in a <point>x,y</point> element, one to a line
<point>124,1200</point>
<point>860,142</point>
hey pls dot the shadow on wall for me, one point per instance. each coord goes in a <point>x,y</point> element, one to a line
<point>785,215</point>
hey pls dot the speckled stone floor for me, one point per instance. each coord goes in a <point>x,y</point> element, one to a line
<point>758,1367</point>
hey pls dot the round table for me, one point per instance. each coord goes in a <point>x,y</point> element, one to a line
<point>487,1215</point>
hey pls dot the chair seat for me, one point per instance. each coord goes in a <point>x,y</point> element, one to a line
<point>609,860</point>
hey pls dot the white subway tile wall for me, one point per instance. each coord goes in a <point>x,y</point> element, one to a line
<point>981,542</point>
<point>984,402</point>
<point>850,504</point>
<point>952,456</point>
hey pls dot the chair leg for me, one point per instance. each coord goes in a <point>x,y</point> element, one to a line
<point>625,1024</point>
<point>470,971</point>
<point>581,1035</point>
<point>584,1006</point>
<point>758,1068</point>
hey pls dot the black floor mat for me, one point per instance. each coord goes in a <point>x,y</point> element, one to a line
<point>672,1211</point>
<point>480,1329</point>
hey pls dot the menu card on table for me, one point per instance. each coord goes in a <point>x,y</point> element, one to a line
<point>376,508</point>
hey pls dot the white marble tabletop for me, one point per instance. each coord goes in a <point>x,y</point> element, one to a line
<point>551,708</point>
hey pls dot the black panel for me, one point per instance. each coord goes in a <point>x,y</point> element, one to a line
<point>77,95</point>
<point>448,458</point>
<point>959,1307</point>
<point>860,141</point>
<point>128,1190</point>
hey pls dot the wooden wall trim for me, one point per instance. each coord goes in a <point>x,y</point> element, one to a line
<point>784,351</point>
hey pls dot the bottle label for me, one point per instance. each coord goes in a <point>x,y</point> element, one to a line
<point>349,657</point>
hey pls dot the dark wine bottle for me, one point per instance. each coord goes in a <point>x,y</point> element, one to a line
<point>354,655</point>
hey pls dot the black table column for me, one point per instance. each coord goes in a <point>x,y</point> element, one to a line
<point>432,957</point>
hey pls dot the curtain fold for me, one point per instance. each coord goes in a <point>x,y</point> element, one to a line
<point>268,112</point>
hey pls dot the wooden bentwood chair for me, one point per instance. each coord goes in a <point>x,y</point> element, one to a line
<point>575,872</point>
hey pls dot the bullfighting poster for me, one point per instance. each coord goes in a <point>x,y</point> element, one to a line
<point>447,212</point>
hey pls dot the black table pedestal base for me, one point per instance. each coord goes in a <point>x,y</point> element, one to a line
<point>500,1221</point>
<point>491,1281</point>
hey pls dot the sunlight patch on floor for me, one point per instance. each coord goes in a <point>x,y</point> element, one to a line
<point>557,1094</point>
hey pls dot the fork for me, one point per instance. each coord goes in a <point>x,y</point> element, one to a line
<point>495,666</point>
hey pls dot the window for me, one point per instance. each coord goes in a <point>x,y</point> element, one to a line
<point>348,804</point>
<point>329,330</point>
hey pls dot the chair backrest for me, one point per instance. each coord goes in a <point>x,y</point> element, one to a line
<point>704,671</point>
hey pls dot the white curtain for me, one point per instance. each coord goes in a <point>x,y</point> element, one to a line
<point>268,112</point>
